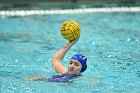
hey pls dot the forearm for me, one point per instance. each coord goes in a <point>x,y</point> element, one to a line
<point>58,57</point>
<point>61,53</point>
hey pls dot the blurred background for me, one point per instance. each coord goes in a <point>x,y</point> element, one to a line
<point>47,4</point>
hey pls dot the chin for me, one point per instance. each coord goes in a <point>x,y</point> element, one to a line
<point>72,73</point>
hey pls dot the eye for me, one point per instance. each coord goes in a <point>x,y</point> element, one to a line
<point>70,62</point>
<point>76,64</point>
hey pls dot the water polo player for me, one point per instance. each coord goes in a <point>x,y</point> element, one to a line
<point>76,66</point>
<point>70,30</point>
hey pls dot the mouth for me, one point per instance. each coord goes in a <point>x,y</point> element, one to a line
<point>71,70</point>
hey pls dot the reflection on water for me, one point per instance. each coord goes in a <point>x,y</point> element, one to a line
<point>5,74</point>
<point>15,37</point>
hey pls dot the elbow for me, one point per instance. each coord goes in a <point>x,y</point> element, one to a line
<point>54,61</point>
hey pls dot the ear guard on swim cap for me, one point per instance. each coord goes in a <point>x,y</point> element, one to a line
<point>82,59</point>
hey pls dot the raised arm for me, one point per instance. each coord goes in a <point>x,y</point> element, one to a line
<point>58,57</point>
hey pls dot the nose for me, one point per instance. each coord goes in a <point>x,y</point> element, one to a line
<point>71,65</point>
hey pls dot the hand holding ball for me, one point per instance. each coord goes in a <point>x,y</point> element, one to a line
<point>70,30</point>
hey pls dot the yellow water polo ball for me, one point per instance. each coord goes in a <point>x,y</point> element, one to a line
<point>70,30</point>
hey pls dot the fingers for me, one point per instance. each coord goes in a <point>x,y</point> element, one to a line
<point>74,40</point>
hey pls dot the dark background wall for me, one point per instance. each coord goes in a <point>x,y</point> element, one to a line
<point>68,3</point>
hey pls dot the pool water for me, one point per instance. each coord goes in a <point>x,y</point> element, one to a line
<point>111,41</point>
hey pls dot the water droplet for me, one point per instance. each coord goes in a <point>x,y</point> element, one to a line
<point>16,60</point>
<point>128,39</point>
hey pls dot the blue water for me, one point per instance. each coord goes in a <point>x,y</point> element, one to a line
<point>111,41</point>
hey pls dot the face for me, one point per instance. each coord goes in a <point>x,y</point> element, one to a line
<point>74,67</point>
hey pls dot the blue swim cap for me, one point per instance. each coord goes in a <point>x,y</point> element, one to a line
<point>82,59</point>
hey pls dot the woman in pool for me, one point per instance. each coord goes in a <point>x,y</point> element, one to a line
<point>76,66</point>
